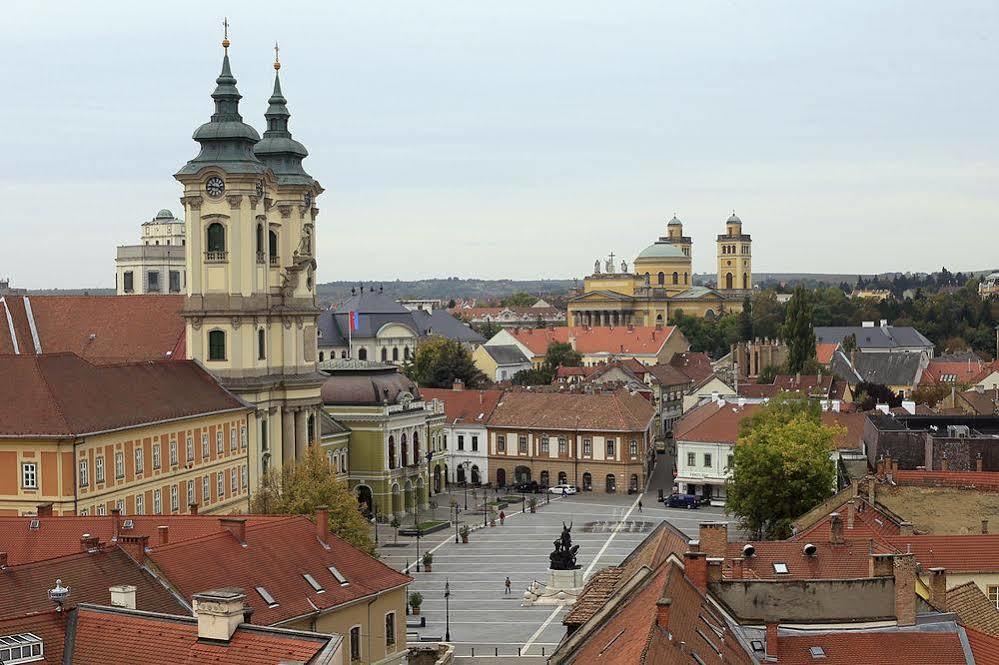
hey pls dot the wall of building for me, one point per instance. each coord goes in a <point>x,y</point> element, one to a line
<point>807,602</point>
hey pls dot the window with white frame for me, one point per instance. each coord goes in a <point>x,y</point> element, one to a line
<point>173,452</point>
<point>139,461</point>
<point>563,446</point>
<point>233,481</point>
<point>99,469</point>
<point>174,498</point>
<point>189,449</point>
<point>244,478</point>
<point>219,444</point>
<point>544,445</point>
<point>232,439</point>
<point>500,443</point>
<point>461,442</point>
<point>157,503</point>
<point>119,464</point>
<point>691,459</point>
<point>190,491</point>
<point>522,445</point>
<point>101,510</point>
<point>120,505</point>
<point>242,437</point>
<point>475,443</point>
<point>140,504</point>
<point>156,455</point>
<point>204,446</point>
<point>707,460</point>
<point>206,491</point>
<point>633,448</point>
<point>84,473</point>
<point>29,476</point>
<point>587,447</point>
<point>219,485</point>
<point>610,447</point>
<point>21,648</point>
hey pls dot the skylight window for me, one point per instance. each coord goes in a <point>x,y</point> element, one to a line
<point>313,583</point>
<point>268,598</point>
<point>339,576</point>
<point>33,526</point>
<point>21,648</point>
<point>128,524</point>
<point>817,652</point>
<point>780,568</point>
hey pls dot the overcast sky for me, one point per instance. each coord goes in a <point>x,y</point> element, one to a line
<point>521,139</point>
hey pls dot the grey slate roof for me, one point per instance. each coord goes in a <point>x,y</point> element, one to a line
<point>878,337</point>
<point>377,310</point>
<point>277,149</point>
<point>506,354</point>
<point>889,369</point>
<point>443,324</point>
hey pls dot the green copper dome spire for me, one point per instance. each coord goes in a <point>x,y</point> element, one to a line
<point>226,141</point>
<point>277,149</point>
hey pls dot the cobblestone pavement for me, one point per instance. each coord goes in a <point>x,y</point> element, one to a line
<point>482,617</point>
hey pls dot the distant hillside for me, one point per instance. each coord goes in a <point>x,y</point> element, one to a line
<point>452,287</point>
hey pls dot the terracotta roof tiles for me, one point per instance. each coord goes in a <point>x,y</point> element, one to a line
<point>641,340</point>
<point>956,553</point>
<point>466,406</point>
<point>614,412</point>
<point>974,609</point>
<point>851,648</point>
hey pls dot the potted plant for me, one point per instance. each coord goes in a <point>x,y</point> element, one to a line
<point>463,532</point>
<point>415,600</point>
<point>533,504</point>
<point>395,524</point>
<point>428,564</point>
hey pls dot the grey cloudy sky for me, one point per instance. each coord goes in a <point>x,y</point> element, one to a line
<point>521,139</point>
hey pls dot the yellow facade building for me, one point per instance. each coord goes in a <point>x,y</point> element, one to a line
<point>662,282</point>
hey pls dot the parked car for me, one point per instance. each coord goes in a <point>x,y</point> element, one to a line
<point>529,486</point>
<point>562,489</point>
<point>683,501</point>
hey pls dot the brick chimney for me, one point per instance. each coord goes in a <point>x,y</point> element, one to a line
<point>219,612</point>
<point>458,385</point>
<point>662,612</point>
<point>164,532</point>
<point>234,525</point>
<point>714,538</point>
<point>737,568</point>
<point>714,569</point>
<point>696,567</point>
<point>835,529</point>
<point>943,462</point>
<point>123,595</point>
<point>134,546</point>
<point>772,640</point>
<point>905,589</point>
<point>116,519</point>
<point>193,507</point>
<point>323,524</point>
<point>45,509</point>
<point>985,526</point>
<point>905,528</point>
<point>880,565</point>
<point>938,588</point>
<point>851,513</point>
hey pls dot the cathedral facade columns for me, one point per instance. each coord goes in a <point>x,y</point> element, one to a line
<point>287,435</point>
<point>301,433</point>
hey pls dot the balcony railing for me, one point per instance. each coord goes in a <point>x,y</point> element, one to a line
<point>261,257</point>
<point>274,261</point>
<point>216,256</point>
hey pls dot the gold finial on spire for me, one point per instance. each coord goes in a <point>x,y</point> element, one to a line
<point>277,59</point>
<point>225,33</point>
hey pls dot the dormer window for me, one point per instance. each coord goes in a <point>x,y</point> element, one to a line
<point>21,648</point>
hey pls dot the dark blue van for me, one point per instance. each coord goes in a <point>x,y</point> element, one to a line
<point>683,501</point>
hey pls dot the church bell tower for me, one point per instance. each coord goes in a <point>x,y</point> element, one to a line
<point>251,309</point>
<point>735,254</point>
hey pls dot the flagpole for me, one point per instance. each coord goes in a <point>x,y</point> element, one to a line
<point>350,336</point>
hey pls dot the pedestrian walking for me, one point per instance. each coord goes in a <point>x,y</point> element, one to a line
<point>639,505</point>
<point>502,517</point>
<point>507,585</point>
<point>565,492</point>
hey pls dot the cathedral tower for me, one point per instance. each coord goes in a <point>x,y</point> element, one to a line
<point>674,235</point>
<point>735,253</point>
<point>251,310</point>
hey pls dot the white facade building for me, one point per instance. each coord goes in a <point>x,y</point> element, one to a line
<point>157,264</point>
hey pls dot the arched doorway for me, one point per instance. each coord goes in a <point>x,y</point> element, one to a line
<point>501,477</point>
<point>562,479</point>
<point>587,482</point>
<point>633,485</point>
<point>416,448</point>
<point>521,474</point>
<point>476,477</point>
<point>728,280</point>
<point>610,484</point>
<point>709,315</point>
<point>405,450</point>
<point>544,479</point>
<point>364,500</point>
<point>745,281</point>
<point>410,496</point>
<point>398,508</point>
<point>437,478</point>
<point>391,452</point>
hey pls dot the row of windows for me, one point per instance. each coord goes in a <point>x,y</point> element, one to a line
<point>523,473</point>
<point>731,249</point>
<point>338,460</point>
<point>405,451</point>
<point>706,460</point>
<point>119,456</point>
<point>238,483</point>
<point>152,281</point>
<point>475,442</point>
<point>661,278</point>
<point>390,637</point>
<point>563,448</point>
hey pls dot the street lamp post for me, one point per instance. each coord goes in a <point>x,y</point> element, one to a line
<point>374,510</point>
<point>447,610</point>
<point>455,523</point>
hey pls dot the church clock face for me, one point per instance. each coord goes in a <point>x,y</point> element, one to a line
<point>215,187</point>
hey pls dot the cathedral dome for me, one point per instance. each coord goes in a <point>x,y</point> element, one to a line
<point>675,222</point>
<point>662,250</point>
<point>734,219</point>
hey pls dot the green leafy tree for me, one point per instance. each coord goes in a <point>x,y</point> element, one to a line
<point>746,319</point>
<point>519,300</point>
<point>439,361</point>
<point>561,354</point>
<point>767,375</point>
<point>781,467</point>
<point>868,395</point>
<point>302,487</point>
<point>797,330</point>
<point>533,377</point>
<point>487,329</point>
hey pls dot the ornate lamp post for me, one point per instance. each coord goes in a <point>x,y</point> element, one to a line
<point>447,610</point>
<point>466,464</point>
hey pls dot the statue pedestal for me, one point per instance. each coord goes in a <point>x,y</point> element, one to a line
<point>562,589</point>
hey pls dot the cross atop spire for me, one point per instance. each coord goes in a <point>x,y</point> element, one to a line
<point>277,58</point>
<point>225,34</point>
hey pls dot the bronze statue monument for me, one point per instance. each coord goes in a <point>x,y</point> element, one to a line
<point>564,556</point>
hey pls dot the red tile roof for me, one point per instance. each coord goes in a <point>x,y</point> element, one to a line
<point>49,625</point>
<point>696,365</point>
<point>275,556</point>
<point>99,328</point>
<point>984,647</point>
<point>824,352</point>
<point>62,394</point>
<point>868,523</point>
<point>467,406</point>
<point>609,412</point>
<point>105,636</point>
<point>641,340</point>
<point>849,560</point>
<point>853,648</point>
<point>956,553</point>
<point>87,575</point>
<point>984,480</point>
<point>60,536</point>
<point>959,372</point>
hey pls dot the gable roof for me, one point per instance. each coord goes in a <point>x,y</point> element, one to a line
<point>845,647</point>
<point>874,337</point>
<point>695,364</point>
<point>824,351</point>
<point>507,354</point>
<point>99,328</point>
<point>609,412</point>
<point>956,372</point>
<point>467,406</point>
<point>376,310</point>
<point>958,553</point>
<point>974,609</point>
<point>275,556</point>
<point>62,395</point>
<point>889,369</point>
<point>639,340</point>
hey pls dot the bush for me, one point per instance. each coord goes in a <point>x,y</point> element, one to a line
<point>415,599</point>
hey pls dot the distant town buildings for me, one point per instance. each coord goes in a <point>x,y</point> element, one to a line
<point>540,314</point>
<point>989,286</point>
<point>158,264</point>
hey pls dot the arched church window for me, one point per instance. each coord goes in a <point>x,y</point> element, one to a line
<point>745,281</point>
<point>362,354</point>
<point>676,277</point>
<point>728,280</point>
<point>216,345</point>
<point>662,278</point>
<point>272,247</point>
<point>261,344</point>
<point>395,353</point>
<point>648,279</point>
<point>685,278</point>
<point>384,354</point>
<point>216,237</point>
<point>260,243</point>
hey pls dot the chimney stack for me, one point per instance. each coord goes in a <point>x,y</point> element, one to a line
<point>134,546</point>
<point>696,568</point>
<point>905,589</point>
<point>943,462</point>
<point>713,538</point>
<point>45,509</point>
<point>116,518</point>
<point>193,507</point>
<point>938,588</point>
<point>164,532</point>
<point>737,568</point>
<point>905,528</point>
<point>458,385</point>
<point>978,463</point>
<point>714,569</point>
<point>772,627</point>
<point>219,612</point>
<point>234,525</point>
<point>835,529</point>
<point>90,543</point>
<point>123,595</point>
<point>662,613</point>
<point>323,524</point>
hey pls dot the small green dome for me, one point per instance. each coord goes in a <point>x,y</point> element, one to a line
<point>734,219</point>
<point>164,214</point>
<point>662,250</point>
